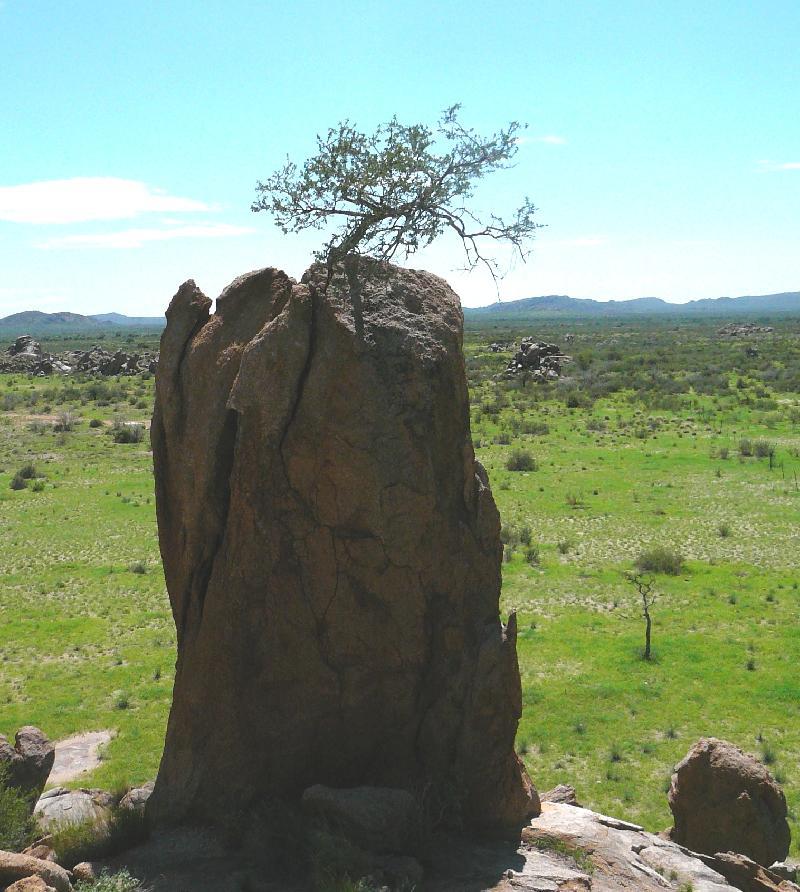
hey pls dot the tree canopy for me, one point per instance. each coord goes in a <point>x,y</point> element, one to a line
<point>394,191</point>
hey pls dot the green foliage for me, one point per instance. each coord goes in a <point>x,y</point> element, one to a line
<point>17,828</point>
<point>122,881</point>
<point>393,191</point>
<point>127,432</point>
<point>91,841</point>
<point>521,460</point>
<point>660,559</point>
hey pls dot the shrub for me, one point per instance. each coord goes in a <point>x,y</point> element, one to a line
<point>564,546</point>
<point>138,567</point>
<point>95,422</point>
<point>65,423</point>
<point>745,447</point>
<point>660,559</point>
<point>111,882</point>
<point>521,460</point>
<point>18,481</point>
<point>127,433</point>
<point>532,555</point>
<point>17,827</point>
<point>28,472</point>
<point>37,486</point>
<point>763,449</point>
<point>724,529</point>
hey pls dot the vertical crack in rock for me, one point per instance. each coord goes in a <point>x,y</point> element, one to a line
<point>331,550</point>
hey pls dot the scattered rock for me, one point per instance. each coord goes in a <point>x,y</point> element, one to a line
<point>29,761</point>
<point>25,346</point>
<point>743,329</point>
<point>331,549</point>
<point>25,356</point>
<point>136,799</point>
<point>15,867</point>
<point>60,806</point>
<point>536,360</point>
<point>377,819</point>
<point>86,871</point>
<point>723,800</point>
<point>788,870</point>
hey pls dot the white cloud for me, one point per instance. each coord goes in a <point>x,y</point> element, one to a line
<point>83,199</point>
<point>770,166</point>
<point>136,238</point>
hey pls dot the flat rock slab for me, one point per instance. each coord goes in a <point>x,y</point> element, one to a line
<point>77,755</point>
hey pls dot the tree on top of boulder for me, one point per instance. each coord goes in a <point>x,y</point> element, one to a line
<point>396,190</point>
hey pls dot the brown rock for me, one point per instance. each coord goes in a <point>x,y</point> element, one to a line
<point>724,800</point>
<point>30,884</point>
<point>745,874</point>
<point>42,850</point>
<point>331,549</point>
<point>563,793</point>
<point>15,867</point>
<point>86,871</point>
<point>29,761</point>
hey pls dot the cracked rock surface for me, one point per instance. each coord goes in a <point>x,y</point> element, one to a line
<point>331,549</point>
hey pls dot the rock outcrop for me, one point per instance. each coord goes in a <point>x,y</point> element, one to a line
<point>536,360</point>
<point>723,800</point>
<point>331,550</point>
<point>61,806</point>
<point>15,867</point>
<point>28,762</point>
<point>25,356</point>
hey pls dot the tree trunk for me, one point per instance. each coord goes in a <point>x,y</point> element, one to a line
<point>648,625</point>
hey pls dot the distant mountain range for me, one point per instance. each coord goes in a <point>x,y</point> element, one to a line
<point>35,323</point>
<point>562,305</point>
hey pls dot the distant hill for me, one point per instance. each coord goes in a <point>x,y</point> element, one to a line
<point>35,323</point>
<point>562,305</point>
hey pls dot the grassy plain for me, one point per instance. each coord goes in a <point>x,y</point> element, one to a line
<point>639,446</point>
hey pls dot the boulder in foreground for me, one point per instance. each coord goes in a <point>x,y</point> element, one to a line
<point>724,800</point>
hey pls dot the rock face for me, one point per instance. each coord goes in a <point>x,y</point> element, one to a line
<point>29,761</point>
<point>15,867</point>
<point>723,800</point>
<point>331,549</point>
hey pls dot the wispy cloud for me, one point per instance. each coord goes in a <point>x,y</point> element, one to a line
<point>84,199</point>
<point>550,139</point>
<point>136,238</point>
<point>771,166</point>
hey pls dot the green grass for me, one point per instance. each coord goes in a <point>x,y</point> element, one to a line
<point>649,458</point>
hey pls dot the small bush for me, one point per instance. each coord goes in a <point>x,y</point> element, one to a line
<point>95,422</point>
<point>564,546</point>
<point>763,449</point>
<point>18,482</point>
<point>17,827</point>
<point>532,555</point>
<point>127,433</point>
<point>111,882</point>
<point>37,486</point>
<point>724,530</point>
<point>521,460</point>
<point>660,559</point>
<point>138,567</point>
<point>65,423</point>
<point>745,447</point>
<point>28,472</point>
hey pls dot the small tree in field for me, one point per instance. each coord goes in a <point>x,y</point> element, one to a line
<point>644,585</point>
<point>394,191</point>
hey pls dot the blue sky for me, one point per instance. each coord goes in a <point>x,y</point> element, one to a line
<point>663,147</point>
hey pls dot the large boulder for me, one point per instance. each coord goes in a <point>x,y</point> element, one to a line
<point>15,867</point>
<point>27,763</point>
<point>724,800</point>
<point>331,550</point>
<point>59,806</point>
